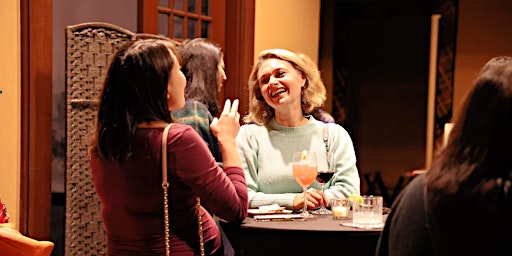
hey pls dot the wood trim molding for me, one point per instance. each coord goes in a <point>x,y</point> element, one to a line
<point>23,213</point>
<point>36,123</point>
<point>239,50</point>
<point>218,32</point>
<point>147,16</point>
<point>218,26</point>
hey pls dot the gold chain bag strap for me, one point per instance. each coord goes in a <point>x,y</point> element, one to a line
<point>165,186</point>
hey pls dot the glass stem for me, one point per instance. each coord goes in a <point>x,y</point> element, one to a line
<point>322,206</point>
<point>305,207</point>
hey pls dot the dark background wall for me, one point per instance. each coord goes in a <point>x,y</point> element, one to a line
<point>380,75</point>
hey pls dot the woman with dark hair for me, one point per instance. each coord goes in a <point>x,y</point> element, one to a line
<point>463,204</point>
<point>144,82</point>
<point>203,66</point>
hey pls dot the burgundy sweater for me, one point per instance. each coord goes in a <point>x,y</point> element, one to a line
<point>132,196</point>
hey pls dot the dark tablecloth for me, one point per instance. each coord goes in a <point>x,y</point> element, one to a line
<point>317,236</point>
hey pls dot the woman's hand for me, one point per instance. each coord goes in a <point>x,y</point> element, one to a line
<point>225,128</point>
<point>314,197</point>
<point>227,125</point>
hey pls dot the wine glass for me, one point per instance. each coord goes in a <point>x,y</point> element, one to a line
<point>304,171</point>
<point>323,177</point>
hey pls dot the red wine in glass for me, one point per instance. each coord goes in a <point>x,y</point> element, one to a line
<point>323,177</point>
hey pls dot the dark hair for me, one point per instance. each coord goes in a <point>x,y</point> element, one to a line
<point>477,158</point>
<point>134,92</point>
<point>200,58</point>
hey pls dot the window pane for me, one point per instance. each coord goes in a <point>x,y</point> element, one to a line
<point>178,27</point>
<point>204,8</point>
<point>205,29</point>
<point>163,3</point>
<point>192,28</point>
<point>178,5</point>
<point>163,24</point>
<point>192,6</point>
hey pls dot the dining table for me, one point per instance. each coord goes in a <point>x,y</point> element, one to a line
<point>321,235</point>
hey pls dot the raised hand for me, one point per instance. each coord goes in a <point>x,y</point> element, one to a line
<point>227,125</point>
<point>225,128</point>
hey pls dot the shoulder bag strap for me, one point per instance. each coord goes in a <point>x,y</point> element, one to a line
<point>325,135</point>
<point>165,186</point>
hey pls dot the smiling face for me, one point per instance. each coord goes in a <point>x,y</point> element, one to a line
<point>280,83</point>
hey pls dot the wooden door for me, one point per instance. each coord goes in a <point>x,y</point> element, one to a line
<point>230,23</point>
<point>183,19</point>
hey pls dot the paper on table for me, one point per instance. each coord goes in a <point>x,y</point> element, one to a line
<point>272,207</point>
<point>278,217</point>
<point>269,209</point>
<point>373,226</point>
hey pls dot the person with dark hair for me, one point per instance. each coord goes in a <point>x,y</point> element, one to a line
<point>203,66</point>
<point>144,82</point>
<point>322,115</point>
<point>283,92</point>
<point>463,203</point>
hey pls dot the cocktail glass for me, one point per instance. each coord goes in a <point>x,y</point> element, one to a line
<point>305,171</point>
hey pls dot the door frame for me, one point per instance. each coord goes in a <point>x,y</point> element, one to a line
<point>239,50</point>
<point>36,118</point>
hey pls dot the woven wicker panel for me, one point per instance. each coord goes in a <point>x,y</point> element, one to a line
<point>89,50</point>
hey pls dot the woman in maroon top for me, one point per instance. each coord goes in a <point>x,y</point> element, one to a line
<point>143,84</point>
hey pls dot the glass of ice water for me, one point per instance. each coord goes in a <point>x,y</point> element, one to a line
<point>367,212</point>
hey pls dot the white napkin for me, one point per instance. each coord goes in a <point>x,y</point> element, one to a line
<point>271,208</point>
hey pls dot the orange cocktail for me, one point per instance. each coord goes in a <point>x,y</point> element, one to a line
<point>305,170</point>
<point>305,174</point>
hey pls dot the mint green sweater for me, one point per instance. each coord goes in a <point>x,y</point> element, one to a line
<point>266,152</point>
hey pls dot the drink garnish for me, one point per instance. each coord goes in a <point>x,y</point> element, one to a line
<point>354,197</point>
<point>304,154</point>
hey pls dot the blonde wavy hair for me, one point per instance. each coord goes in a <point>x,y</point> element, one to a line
<point>313,96</point>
